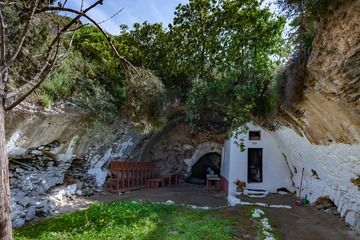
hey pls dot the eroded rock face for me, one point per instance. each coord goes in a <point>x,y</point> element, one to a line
<point>330,110</point>
<point>180,148</point>
<point>55,155</point>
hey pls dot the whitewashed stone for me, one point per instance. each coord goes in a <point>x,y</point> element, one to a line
<point>350,218</point>
<point>71,189</point>
<point>334,163</point>
<point>30,213</point>
<point>18,222</point>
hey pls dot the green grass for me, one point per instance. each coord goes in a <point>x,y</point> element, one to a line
<point>133,220</point>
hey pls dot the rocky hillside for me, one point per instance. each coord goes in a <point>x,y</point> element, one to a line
<point>330,109</point>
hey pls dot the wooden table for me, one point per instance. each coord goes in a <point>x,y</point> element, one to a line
<point>212,178</point>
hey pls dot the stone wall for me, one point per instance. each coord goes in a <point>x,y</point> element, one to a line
<point>54,154</point>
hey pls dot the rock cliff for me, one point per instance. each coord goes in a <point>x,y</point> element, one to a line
<point>330,109</point>
<point>321,133</point>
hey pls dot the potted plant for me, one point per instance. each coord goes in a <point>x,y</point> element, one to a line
<point>240,185</point>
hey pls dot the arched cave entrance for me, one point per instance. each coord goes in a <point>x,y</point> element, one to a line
<point>203,165</point>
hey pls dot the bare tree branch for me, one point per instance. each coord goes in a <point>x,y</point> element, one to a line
<point>114,15</point>
<point>78,27</point>
<point>2,39</point>
<point>48,63</point>
<point>41,76</point>
<point>83,14</point>
<point>22,39</point>
<point>46,60</point>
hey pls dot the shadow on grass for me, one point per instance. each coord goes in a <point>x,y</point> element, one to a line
<point>131,220</point>
<point>98,219</point>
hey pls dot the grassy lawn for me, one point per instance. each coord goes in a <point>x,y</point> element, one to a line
<point>133,220</point>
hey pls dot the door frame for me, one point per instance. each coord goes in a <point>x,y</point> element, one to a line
<point>261,167</point>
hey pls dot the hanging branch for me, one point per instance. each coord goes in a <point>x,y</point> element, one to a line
<point>83,14</point>
<point>46,60</point>
<point>22,39</point>
<point>114,15</point>
<point>49,61</point>
<point>41,77</point>
<point>2,39</point>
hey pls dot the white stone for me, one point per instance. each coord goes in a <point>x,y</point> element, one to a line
<point>30,213</point>
<point>18,222</point>
<point>25,201</point>
<point>169,202</point>
<point>257,213</point>
<point>350,218</point>
<point>36,152</point>
<point>71,189</point>
<point>233,201</point>
<point>280,206</point>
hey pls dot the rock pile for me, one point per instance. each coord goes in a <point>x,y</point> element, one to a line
<point>325,204</point>
<point>33,176</point>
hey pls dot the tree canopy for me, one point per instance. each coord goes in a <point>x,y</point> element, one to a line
<point>217,59</point>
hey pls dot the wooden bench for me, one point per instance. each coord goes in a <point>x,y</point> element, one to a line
<point>128,176</point>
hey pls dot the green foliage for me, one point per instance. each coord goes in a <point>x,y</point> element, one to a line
<point>268,103</point>
<point>233,47</point>
<point>132,220</point>
<point>304,14</point>
<point>150,46</point>
<point>217,57</point>
<point>145,95</point>
<point>61,83</point>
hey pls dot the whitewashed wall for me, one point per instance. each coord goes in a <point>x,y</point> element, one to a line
<point>276,172</point>
<point>335,164</point>
<point>225,161</point>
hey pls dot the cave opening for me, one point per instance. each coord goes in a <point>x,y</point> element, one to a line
<point>207,163</point>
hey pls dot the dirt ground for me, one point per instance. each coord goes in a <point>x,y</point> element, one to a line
<point>305,222</point>
<point>297,223</point>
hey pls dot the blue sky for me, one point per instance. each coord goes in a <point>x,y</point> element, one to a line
<point>133,11</point>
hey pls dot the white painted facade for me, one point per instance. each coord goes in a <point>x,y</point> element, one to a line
<point>234,164</point>
<point>285,154</point>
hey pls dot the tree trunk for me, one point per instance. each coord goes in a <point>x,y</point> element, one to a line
<point>5,206</point>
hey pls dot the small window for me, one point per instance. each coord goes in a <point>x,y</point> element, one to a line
<point>254,135</point>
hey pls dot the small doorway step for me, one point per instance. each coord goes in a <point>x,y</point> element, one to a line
<point>256,193</point>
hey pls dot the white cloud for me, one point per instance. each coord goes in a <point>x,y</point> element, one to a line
<point>156,13</point>
<point>98,14</point>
